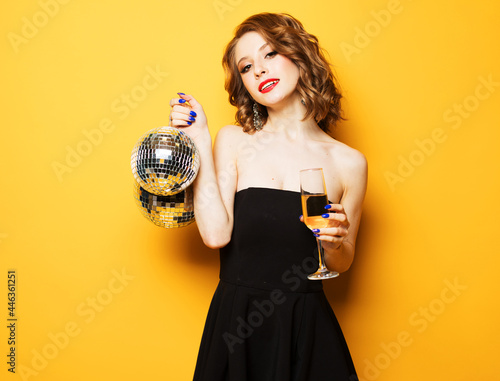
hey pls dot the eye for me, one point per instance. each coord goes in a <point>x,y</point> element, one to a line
<point>245,69</point>
<point>271,54</point>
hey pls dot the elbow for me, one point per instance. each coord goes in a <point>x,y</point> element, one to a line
<point>339,267</point>
<point>341,260</point>
<point>342,269</point>
<point>215,235</point>
<point>216,241</point>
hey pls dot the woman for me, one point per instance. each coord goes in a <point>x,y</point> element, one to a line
<point>267,321</point>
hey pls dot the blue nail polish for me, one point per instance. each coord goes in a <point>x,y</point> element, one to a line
<point>328,206</point>
<point>316,235</point>
<point>192,113</point>
<point>300,216</point>
<point>326,215</point>
<point>315,230</point>
<point>181,93</point>
<point>182,101</point>
<point>192,119</point>
<point>189,123</point>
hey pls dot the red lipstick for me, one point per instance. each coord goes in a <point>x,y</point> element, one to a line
<point>267,85</point>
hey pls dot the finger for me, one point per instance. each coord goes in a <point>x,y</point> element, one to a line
<point>337,217</point>
<point>179,123</point>
<point>183,115</point>
<point>184,100</point>
<point>179,119</point>
<point>189,99</point>
<point>336,212</point>
<point>339,231</point>
<point>332,239</point>
<point>335,208</point>
<point>173,102</point>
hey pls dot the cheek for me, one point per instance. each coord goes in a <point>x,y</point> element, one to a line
<point>287,66</point>
<point>244,79</point>
<point>248,82</point>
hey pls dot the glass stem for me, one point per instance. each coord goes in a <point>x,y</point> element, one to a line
<point>321,251</point>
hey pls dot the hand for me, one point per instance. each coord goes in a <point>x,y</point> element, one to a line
<point>338,226</point>
<point>188,115</point>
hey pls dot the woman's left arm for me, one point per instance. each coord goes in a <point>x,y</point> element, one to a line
<point>339,238</point>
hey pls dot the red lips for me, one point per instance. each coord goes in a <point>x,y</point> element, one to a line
<point>267,85</point>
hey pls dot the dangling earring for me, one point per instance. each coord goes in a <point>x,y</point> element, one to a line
<point>257,120</point>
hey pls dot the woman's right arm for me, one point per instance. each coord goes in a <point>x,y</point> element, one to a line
<point>215,185</point>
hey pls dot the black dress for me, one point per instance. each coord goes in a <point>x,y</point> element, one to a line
<point>267,321</point>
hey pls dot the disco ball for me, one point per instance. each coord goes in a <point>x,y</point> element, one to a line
<point>165,161</point>
<point>174,211</point>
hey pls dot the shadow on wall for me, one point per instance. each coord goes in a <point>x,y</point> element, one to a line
<point>337,290</point>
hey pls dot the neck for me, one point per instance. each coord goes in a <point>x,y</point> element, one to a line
<point>288,120</point>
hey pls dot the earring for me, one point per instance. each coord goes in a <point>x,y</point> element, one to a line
<point>257,120</point>
<point>303,102</point>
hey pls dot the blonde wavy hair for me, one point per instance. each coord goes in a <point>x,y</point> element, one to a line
<point>287,36</point>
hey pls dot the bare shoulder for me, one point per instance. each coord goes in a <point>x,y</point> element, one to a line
<point>228,138</point>
<point>348,157</point>
<point>230,132</point>
<point>227,141</point>
<point>351,163</point>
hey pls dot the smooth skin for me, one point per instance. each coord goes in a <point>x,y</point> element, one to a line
<point>273,156</point>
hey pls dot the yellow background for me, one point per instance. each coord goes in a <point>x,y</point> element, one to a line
<point>68,234</point>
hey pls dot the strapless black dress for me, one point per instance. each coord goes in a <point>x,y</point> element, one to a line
<point>267,321</point>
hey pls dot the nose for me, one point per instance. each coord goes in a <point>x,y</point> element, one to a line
<point>259,70</point>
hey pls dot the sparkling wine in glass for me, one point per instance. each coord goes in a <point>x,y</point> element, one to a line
<point>314,199</point>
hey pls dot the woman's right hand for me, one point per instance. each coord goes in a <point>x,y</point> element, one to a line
<point>188,115</point>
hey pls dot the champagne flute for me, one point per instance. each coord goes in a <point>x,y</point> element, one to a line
<point>314,199</point>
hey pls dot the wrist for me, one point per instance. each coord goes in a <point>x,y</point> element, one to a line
<point>332,247</point>
<point>203,141</point>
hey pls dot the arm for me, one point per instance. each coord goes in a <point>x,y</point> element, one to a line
<point>339,238</point>
<point>215,185</point>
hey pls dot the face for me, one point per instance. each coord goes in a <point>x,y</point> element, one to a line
<point>270,78</point>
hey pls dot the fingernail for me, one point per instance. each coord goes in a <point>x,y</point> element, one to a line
<point>326,215</point>
<point>192,113</point>
<point>316,235</point>
<point>315,231</point>
<point>181,93</point>
<point>182,101</point>
<point>192,119</point>
<point>189,123</point>
<point>328,206</point>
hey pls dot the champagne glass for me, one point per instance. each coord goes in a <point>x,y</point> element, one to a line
<point>314,199</point>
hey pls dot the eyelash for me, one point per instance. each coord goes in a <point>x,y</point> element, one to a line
<point>268,55</point>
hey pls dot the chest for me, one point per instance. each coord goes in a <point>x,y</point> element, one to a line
<point>277,166</point>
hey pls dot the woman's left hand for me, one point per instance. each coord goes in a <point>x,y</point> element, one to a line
<point>338,226</point>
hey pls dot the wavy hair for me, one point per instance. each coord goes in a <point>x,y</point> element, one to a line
<point>287,36</point>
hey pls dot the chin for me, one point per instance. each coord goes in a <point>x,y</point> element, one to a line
<point>277,100</point>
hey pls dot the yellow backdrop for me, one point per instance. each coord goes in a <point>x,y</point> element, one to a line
<point>103,294</point>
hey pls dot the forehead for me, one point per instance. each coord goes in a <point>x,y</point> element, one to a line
<point>248,44</point>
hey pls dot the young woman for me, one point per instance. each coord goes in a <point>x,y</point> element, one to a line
<point>267,321</point>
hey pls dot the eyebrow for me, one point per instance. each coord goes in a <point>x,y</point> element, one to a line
<point>260,49</point>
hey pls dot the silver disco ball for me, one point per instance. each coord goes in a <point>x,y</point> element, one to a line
<point>174,211</point>
<point>165,161</point>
